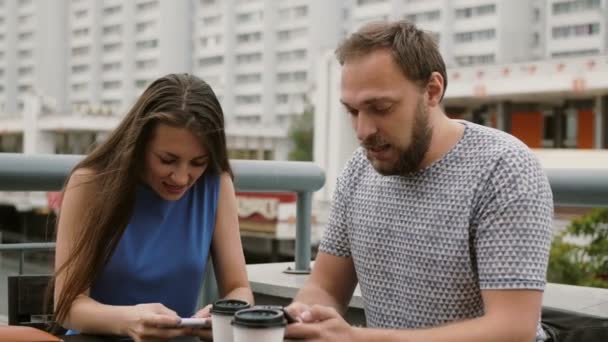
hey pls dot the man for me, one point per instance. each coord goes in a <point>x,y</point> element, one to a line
<point>445,225</point>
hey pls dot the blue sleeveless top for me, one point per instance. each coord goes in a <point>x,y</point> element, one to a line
<point>161,256</point>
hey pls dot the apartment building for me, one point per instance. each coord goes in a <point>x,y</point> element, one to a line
<point>576,28</point>
<point>260,57</point>
<point>468,32</point>
<point>118,47</point>
<point>32,51</point>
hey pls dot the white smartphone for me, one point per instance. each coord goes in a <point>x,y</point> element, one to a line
<point>195,322</point>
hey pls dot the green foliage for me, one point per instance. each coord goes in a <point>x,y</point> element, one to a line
<point>301,135</point>
<point>585,265</point>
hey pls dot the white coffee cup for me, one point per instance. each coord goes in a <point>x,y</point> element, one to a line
<point>222,313</point>
<point>258,325</point>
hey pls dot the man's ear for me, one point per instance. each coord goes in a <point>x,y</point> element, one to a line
<point>434,89</point>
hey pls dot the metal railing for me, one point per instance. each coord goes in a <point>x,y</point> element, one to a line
<point>19,172</point>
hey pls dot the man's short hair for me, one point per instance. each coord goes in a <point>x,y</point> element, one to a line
<point>414,50</point>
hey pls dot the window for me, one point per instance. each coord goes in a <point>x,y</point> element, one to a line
<point>536,15</point>
<point>108,11</point>
<point>286,35</point>
<point>111,103</point>
<point>286,77</point>
<point>80,68</point>
<point>248,99</point>
<point>369,2</point>
<point>146,6</point>
<point>249,37</point>
<point>76,87</point>
<point>282,98</point>
<point>206,21</point>
<point>113,29</point>
<point>141,83</point>
<point>423,16</point>
<point>475,60</point>
<point>248,78</point>
<point>144,26</point>
<point>210,61</point>
<point>573,6</point>
<point>80,51</point>
<point>562,32</point>
<point>80,32</point>
<point>146,44</point>
<point>111,47</point>
<point>477,11</point>
<point>248,58</point>
<point>575,53</point>
<point>300,11</point>
<point>25,71</point>
<point>211,41</point>
<point>24,88</point>
<point>81,13</point>
<point>109,85</point>
<point>249,17</point>
<point>25,35</point>
<point>291,56</point>
<point>146,64</point>
<point>111,66</point>
<point>467,37</point>
<point>535,39</point>
<point>24,53</point>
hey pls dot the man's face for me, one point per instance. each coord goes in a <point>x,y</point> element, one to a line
<point>388,112</point>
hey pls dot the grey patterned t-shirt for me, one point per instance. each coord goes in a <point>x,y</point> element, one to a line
<point>425,245</point>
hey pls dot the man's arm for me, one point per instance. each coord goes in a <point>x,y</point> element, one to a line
<point>510,315</point>
<point>331,283</point>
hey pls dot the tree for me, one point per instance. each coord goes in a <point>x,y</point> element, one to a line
<point>301,135</point>
<point>581,263</point>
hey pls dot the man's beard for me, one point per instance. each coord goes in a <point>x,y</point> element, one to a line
<point>410,158</point>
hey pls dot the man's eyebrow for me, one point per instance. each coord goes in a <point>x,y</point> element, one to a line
<point>371,100</point>
<point>377,99</point>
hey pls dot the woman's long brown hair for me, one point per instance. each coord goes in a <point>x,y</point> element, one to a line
<point>179,100</point>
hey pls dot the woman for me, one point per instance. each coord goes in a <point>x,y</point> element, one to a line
<point>140,215</point>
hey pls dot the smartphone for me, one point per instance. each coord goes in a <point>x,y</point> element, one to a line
<point>204,323</point>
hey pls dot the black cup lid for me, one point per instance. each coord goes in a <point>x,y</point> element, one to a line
<point>259,318</point>
<point>228,306</point>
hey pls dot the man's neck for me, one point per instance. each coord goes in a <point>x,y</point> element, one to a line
<point>446,134</point>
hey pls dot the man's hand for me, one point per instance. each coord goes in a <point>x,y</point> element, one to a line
<point>296,309</point>
<point>319,323</point>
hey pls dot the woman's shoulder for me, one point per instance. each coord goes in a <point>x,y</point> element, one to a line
<point>82,178</point>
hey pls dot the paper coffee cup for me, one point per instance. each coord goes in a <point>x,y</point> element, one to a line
<point>258,325</point>
<point>222,313</point>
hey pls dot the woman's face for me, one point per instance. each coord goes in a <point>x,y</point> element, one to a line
<point>174,159</point>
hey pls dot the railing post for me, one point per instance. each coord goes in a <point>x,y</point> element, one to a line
<point>21,261</point>
<point>302,252</point>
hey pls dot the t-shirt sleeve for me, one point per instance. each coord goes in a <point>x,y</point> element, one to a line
<point>335,239</point>
<point>514,225</point>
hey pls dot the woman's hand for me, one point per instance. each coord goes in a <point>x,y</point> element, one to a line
<point>204,333</point>
<point>153,322</point>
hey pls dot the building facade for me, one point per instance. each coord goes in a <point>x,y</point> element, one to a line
<point>88,60</point>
